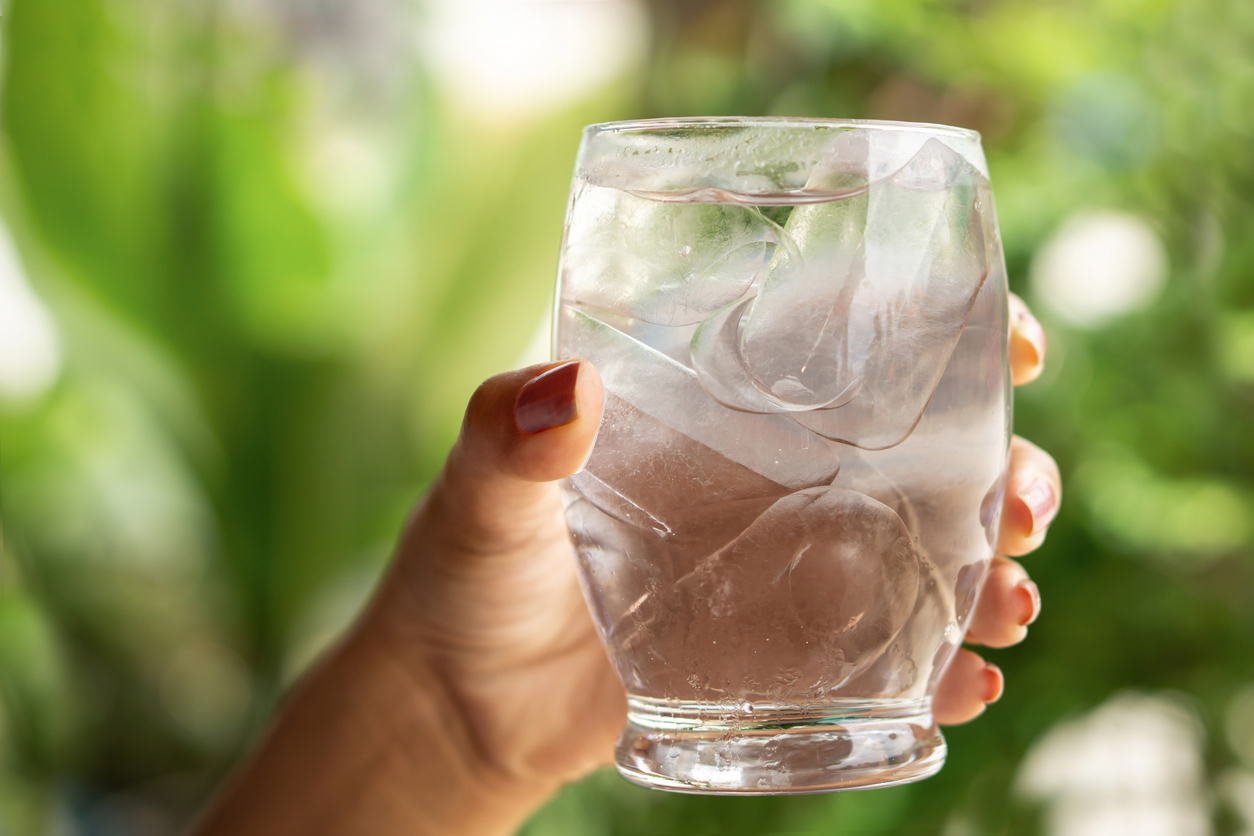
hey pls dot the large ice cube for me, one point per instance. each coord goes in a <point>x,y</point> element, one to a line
<point>786,349</point>
<point>948,523</point>
<point>906,669</point>
<point>804,339</point>
<point>772,446</point>
<point>646,473</point>
<point>665,263</point>
<point>648,507</point>
<point>689,500</point>
<point>925,259</point>
<point>805,598</point>
<point>862,305</point>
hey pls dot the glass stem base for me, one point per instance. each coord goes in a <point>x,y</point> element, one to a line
<point>778,750</point>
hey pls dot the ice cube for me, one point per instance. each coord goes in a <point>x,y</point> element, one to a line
<point>925,257</point>
<point>715,355</point>
<point>664,263</point>
<point>845,164</point>
<point>786,352</point>
<point>627,555</point>
<point>806,597</point>
<point>861,307</point>
<point>907,669</point>
<point>646,473</point>
<point>724,162</point>
<point>803,339</point>
<point>772,446</point>
<point>673,341</point>
<point>650,477</point>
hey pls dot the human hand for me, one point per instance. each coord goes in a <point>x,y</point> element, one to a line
<point>484,589</point>
<point>475,683</point>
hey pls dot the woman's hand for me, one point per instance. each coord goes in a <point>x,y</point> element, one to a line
<point>476,684</point>
<point>485,590</point>
<point>1009,601</point>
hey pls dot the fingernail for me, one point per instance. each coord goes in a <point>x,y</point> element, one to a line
<point>1042,502</point>
<point>1029,602</point>
<point>548,401</point>
<point>1030,329</point>
<point>994,683</point>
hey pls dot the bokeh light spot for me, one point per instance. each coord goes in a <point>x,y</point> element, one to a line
<point>1098,266</point>
<point>30,351</point>
<point>1131,767</point>
<point>514,58</point>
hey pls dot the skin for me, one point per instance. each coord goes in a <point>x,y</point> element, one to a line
<point>474,686</point>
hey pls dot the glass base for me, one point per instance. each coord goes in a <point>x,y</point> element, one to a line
<point>778,750</point>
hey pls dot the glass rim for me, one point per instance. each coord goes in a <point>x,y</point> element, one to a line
<point>673,123</point>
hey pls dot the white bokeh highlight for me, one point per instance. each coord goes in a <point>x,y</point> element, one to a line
<point>1236,789</point>
<point>516,58</point>
<point>1131,767</point>
<point>30,348</point>
<point>1099,266</point>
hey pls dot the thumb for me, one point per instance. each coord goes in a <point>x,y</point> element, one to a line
<point>522,430</point>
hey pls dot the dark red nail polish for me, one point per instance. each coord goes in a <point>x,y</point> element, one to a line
<point>1030,603</point>
<point>548,401</point>
<point>994,683</point>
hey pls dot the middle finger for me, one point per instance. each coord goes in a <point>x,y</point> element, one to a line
<point>1032,497</point>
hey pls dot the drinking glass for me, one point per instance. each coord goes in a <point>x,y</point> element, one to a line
<point>794,494</point>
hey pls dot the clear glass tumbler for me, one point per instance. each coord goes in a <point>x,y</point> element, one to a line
<point>793,498</point>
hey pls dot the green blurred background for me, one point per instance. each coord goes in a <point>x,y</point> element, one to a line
<point>255,255</point>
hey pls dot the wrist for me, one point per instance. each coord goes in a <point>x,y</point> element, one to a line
<point>409,719</point>
<point>370,742</point>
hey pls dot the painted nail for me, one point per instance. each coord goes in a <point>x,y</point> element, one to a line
<point>1029,602</point>
<point>548,400</point>
<point>994,683</point>
<point>1030,329</point>
<point>1042,502</point>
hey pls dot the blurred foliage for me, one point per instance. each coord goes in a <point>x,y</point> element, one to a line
<point>280,254</point>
